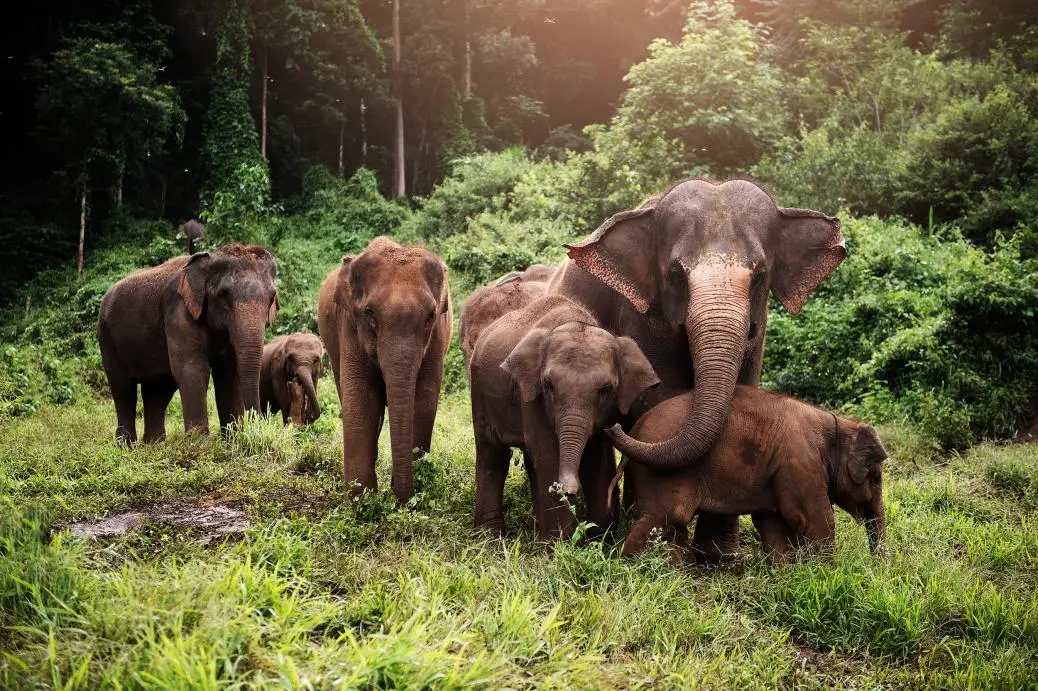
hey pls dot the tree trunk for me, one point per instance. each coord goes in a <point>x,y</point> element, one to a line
<point>82,225</point>
<point>263,108</point>
<point>162,205</point>
<point>119,186</point>
<point>342,129</point>
<point>468,69</point>
<point>399,162</point>
<point>363,132</point>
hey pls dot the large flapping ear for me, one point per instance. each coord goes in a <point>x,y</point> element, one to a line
<point>866,451</point>
<point>193,278</point>
<point>280,360</point>
<point>636,374</point>
<point>621,254</point>
<point>444,292</point>
<point>810,246</point>
<point>524,363</point>
<point>343,292</point>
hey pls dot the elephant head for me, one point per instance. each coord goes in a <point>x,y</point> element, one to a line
<point>702,257</point>
<point>856,476</point>
<point>584,375</point>
<point>395,296</point>
<point>232,292</point>
<point>299,357</point>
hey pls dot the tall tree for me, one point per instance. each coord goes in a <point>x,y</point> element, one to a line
<point>399,160</point>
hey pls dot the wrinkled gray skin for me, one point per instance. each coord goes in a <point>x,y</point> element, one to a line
<point>778,459</point>
<point>295,357</point>
<point>512,291</point>
<point>546,380</point>
<point>687,276</point>
<point>385,320</point>
<point>166,327</point>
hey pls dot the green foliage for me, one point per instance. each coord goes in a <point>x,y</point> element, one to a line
<point>352,211</point>
<point>919,328</point>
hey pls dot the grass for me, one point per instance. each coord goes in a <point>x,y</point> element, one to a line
<point>323,592</point>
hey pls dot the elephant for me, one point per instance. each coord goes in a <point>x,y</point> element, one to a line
<point>687,276</point>
<point>780,460</point>
<point>385,319</point>
<point>512,291</point>
<point>292,358</point>
<point>546,379</point>
<point>165,327</point>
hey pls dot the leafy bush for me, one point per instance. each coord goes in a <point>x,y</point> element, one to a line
<point>916,328</point>
<point>350,211</point>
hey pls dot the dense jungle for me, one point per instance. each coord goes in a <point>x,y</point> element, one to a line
<point>499,135</point>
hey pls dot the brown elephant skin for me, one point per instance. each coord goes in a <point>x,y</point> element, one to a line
<point>165,327</point>
<point>547,380</point>
<point>510,292</point>
<point>292,358</point>
<point>780,460</point>
<point>384,317</point>
<point>687,276</point>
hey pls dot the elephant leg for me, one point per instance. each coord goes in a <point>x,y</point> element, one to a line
<point>638,538</point>
<point>229,406</point>
<point>191,373</point>
<point>630,495</point>
<point>597,467</point>
<point>715,537</point>
<point>492,460</point>
<point>426,402</point>
<point>156,394</point>
<point>363,408</point>
<point>124,395</point>
<point>777,539</point>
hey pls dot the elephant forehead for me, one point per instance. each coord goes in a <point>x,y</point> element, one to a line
<point>583,349</point>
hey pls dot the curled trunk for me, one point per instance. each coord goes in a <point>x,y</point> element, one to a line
<point>574,430</point>
<point>313,407</point>
<point>717,324</point>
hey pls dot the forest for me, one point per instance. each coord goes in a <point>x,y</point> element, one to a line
<point>499,135</point>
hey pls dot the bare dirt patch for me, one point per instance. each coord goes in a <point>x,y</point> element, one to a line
<point>212,520</point>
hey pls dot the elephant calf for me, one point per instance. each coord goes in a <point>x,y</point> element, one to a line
<point>512,291</point>
<point>295,358</point>
<point>547,380</point>
<point>780,460</point>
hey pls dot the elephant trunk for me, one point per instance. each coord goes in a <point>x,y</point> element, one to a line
<point>717,324</point>
<point>574,430</point>
<point>248,352</point>
<point>876,524</point>
<point>306,380</point>
<point>400,393</point>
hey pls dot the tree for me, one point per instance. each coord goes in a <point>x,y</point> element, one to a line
<point>108,112</point>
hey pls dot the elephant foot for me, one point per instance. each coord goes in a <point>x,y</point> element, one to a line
<point>716,539</point>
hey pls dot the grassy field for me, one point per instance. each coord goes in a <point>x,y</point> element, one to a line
<point>321,592</point>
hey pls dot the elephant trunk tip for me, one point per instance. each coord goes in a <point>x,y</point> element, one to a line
<point>570,484</point>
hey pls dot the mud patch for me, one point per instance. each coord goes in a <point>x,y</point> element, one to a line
<point>214,521</point>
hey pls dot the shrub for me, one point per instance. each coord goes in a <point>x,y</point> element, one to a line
<point>350,211</point>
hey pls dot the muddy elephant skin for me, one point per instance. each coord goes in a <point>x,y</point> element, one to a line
<point>384,317</point>
<point>547,380</point>
<point>687,276</point>
<point>780,460</point>
<point>166,327</point>
<point>292,358</point>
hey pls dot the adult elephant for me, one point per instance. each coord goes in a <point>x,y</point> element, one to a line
<point>385,320</point>
<point>166,327</point>
<point>686,275</point>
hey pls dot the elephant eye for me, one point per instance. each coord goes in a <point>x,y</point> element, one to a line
<point>605,390</point>
<point>676,273</point>
<point>549,387</point>
<point>369,314</point>
<point>429,317</point>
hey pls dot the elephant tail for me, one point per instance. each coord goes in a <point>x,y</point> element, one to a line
<point>614,481</point>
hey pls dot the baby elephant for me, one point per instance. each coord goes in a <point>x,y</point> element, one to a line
<point>780,460</point>
<point>291,366</point>
<point>547,379</point>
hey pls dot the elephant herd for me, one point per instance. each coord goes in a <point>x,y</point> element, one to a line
<point>565,363</point>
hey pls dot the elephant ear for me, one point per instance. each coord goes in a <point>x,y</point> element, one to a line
<point>636,374</point>
<point>192,285</point>
<point>343,287</point>
<point>810,247</point>
<point>524,364</point>
<point>437,278</point>
<point>621,254</point>
<point>275,305</point>
<point>283,359</point>
<point>866,451</point>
